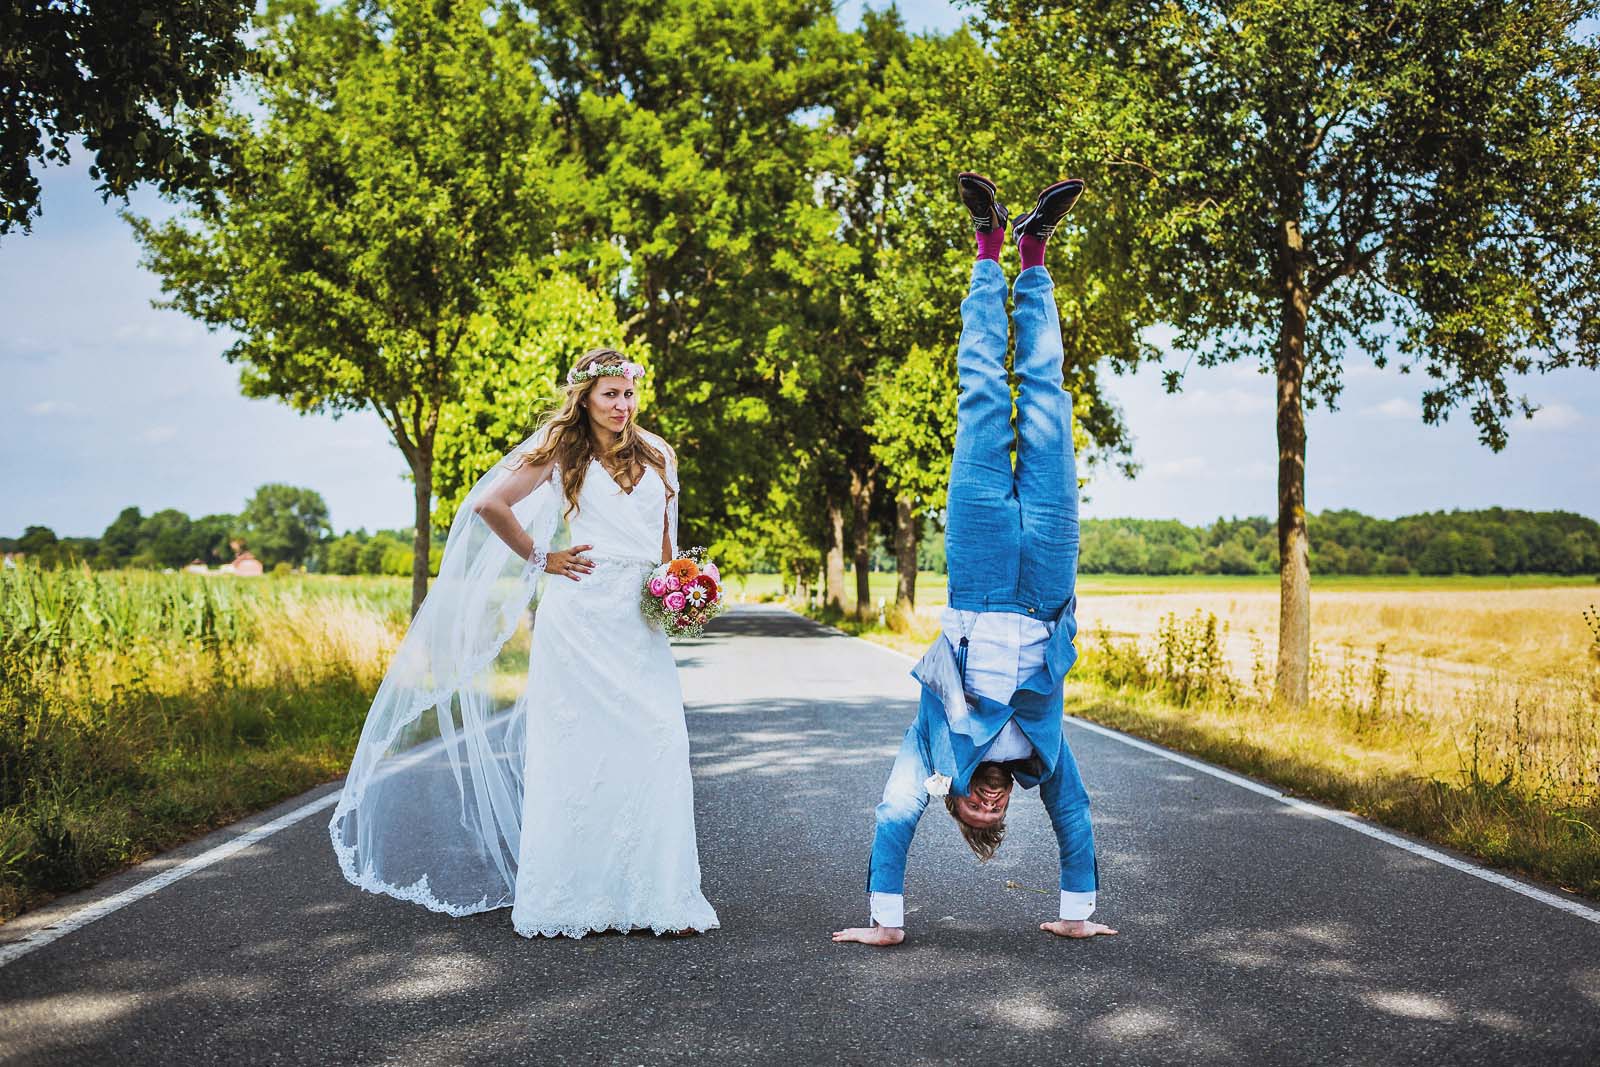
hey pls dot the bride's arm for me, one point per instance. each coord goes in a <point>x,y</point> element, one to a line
<point>495,510</point>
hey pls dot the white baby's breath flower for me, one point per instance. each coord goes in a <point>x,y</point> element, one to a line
<point>937,785</point>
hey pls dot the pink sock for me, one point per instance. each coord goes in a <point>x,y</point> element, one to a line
<point>990,244</point>
<point>1032,250</point>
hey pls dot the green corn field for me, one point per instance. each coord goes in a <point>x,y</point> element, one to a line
<point>139,708</point>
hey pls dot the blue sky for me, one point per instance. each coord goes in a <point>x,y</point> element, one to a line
<point>109,402</point>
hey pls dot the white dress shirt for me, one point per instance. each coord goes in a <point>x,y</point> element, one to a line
<point>1004,649</point>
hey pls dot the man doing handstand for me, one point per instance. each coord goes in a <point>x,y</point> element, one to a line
<point>991,709</point>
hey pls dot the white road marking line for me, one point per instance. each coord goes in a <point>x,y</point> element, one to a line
<point>1349,822</point>
<point>12,951</point>
<point>15,950</point>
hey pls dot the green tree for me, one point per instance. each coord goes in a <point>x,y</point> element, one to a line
<point>395,180</point>
<point>913,430</point>
<point>118,75</point>
<point>208,539</point>
<point>282,523</point>
<point>121,539</point>
<point>699,125</point>
<point>515,364</point>
<point>165,537</point>
<point>342,555</point>
<point>38,541</point>
<point>1294,181</point>
<point>935,117</point>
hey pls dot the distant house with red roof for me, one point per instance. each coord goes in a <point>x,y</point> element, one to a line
<point>244,565</point>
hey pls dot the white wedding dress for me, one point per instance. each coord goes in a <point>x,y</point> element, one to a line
<point>608,806</point>
<point>568,799</point>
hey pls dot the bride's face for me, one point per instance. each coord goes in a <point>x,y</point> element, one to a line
<point>611,403</point>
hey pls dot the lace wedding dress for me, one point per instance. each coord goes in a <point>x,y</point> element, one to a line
<point>570,801</point>
<point>608,806</point>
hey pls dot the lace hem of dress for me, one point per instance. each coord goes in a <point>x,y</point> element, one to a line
<point>417,892</point>
<point>622,924</point>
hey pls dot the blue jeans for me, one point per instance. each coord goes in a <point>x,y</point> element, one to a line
<point>1011,538</point>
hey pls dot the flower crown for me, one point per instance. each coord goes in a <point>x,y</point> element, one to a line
<point>626,370</point>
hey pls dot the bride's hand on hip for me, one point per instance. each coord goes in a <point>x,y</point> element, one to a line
<point>570,562</point>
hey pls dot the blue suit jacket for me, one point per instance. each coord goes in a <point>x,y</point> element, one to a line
<point>951,736</point>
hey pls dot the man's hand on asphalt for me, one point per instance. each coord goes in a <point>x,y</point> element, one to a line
<point>1075,928</point>
<point>882,936</point>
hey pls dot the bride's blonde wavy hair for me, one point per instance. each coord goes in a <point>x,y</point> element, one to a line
<point>570,438</point>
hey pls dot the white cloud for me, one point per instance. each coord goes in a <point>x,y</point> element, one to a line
<point>1393,408</point>
<point>1224,401</point>
<point>1556,417</point>
<point>1187,467</point>
<point>155,435</point>
<point>59,408</point>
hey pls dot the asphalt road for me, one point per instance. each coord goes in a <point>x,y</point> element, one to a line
<point>1251,932</point>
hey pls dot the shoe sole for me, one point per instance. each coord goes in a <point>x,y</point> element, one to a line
<point>999,213</point>
<point>1018,230</point>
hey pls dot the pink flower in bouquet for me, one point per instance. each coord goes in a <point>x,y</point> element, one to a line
<point>674,602</point>
<point>711,572</point>
<point>673,585</point>
<point>658,587</point>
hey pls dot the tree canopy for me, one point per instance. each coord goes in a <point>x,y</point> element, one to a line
<point>397,183</point>
<point>1299,181</point>
<point>120,76</point>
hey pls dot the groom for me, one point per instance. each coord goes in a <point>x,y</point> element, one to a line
<point>990,716</point>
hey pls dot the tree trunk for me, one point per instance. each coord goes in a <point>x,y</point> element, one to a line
<point>905,555</point>
<point>1294,564</point>
<point>861,531</point>
<point>833,575</point>
<point>422,487</point>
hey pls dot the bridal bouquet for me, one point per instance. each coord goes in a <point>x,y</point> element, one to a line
<point>684,594</point>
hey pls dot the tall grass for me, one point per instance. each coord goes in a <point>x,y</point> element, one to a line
<point>138,709</point>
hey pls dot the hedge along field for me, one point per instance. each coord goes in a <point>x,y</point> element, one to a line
<point>139,709</point>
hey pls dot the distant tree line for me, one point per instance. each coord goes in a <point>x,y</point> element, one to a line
<point>279,524</point>
<point>1491,541</point>
<point>282,524</point>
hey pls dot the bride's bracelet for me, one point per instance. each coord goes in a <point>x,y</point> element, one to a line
<point>535,565</point>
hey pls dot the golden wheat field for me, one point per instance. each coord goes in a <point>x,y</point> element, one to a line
<point>1442,635</point>
<point>1443,639</point>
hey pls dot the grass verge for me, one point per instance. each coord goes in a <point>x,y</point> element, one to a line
<point>138,711</point>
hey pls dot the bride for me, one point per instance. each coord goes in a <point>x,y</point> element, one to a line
<point>572,803</point>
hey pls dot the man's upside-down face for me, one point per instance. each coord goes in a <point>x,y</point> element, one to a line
<point>988,797</point>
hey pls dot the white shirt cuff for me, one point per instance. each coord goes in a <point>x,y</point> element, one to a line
<point>889,909</point>
<point>1077,905</point>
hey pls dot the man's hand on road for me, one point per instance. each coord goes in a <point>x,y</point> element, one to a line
<point>881,936</point>
<point>1075,928</point>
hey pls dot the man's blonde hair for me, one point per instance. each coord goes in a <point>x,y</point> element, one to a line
<point>984,842</point>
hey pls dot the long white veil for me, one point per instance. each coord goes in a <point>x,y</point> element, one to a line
<point>432,809</point>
